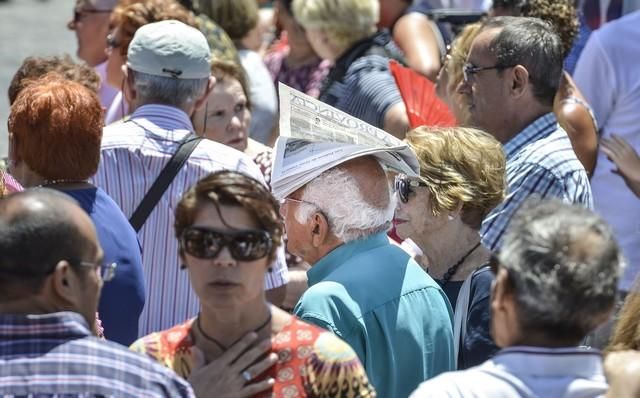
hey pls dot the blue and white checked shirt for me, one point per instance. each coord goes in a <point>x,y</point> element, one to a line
<point>55,355</point>
<point>540,161</point>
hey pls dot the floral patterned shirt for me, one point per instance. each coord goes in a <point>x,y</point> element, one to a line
<point>312,362</point>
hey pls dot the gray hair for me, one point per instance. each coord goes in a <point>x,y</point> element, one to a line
<point>336,194</point>
<point>166,90</point>
<point>563,263</point>
<point>534,44</point>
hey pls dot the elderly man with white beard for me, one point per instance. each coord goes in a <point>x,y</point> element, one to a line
<point>361,287</point>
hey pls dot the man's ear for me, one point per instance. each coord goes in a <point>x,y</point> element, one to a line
<point>519,81</point>
<point>64,282</point>
<point>203,99</point>
<point>128,90</point>
<point>319,229</point>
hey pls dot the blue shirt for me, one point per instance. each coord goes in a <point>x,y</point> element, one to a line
<point>525,372</point>
<point>122,298</point>
<point>478,345</point>
<point>55,355</point>
<point>540,161</point>
<point>379,300</point>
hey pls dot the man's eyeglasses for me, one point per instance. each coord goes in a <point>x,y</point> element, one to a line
<point>468,70</point>
<point>403,186</point>
<point>111,41</point>
<point>284,200</point>
<point>106,271</point>
<point>78,14</point>
<point>245,245</point>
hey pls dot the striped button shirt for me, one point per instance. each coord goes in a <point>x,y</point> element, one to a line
<point>55,356</point>
<point>132,156</point>
<point>540,161</point>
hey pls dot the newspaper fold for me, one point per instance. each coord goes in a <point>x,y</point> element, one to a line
<point>315,137</point>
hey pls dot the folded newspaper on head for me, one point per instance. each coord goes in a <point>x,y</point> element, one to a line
<point>315,137</point>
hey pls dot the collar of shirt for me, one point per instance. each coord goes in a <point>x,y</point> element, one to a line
<point>540,128</point>
<point>55,325</point>
<point>163,116</point>
<point>335,258</point>
<point>545,362</point>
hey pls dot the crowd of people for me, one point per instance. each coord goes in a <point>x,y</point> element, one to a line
<point>143,253</point>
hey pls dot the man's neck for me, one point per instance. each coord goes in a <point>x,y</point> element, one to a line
<point>524,119</point>
<point>134,105</point>
<point>32,305</point>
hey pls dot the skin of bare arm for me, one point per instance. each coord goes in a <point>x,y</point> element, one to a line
<point>415,35</point>
<point>576,120</point>
<point>396,121</point>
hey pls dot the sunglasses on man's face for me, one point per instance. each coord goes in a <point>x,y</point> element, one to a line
<point>403,186</point>
<point>245,245</point>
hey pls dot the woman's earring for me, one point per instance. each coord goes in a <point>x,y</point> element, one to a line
<point>182,266</point>
<point>450,217</point>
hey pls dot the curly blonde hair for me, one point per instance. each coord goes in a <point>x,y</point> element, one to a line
<point>456,58</point>
<point>460,165</point>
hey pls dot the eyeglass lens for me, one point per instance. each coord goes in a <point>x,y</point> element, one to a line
<point>207,243</point>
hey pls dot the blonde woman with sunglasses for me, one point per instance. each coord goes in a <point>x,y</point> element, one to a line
<point>462,178</point>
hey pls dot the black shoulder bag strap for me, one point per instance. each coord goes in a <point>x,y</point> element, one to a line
<point>160,185</point>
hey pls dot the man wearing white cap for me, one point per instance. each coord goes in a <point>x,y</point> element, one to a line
<point>167,77</point>
<point>91,24</point>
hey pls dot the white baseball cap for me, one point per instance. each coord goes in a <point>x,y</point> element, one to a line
<point>170,49</point>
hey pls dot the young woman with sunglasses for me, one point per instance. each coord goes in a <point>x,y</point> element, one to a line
<point>461,180</point>
<point>239,345</point>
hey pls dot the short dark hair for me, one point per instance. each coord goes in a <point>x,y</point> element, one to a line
<point>563,263</point>
<point>33,239</point>
<point>532,43</point>
<point>33,68</point>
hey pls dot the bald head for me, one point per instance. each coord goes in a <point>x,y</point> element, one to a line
<point>38,228</point>
<point>370,179</point>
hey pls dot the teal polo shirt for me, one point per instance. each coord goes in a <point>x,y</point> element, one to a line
<point>379,300</point>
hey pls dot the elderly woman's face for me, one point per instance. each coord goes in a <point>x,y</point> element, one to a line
<point>227,115</point>
<point>414,219</point>
<point>224,280</point>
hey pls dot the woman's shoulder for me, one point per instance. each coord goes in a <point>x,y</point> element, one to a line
<point>169,347</point>
<point>481,280</point>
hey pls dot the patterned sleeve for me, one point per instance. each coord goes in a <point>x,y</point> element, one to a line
<point>334,370</point>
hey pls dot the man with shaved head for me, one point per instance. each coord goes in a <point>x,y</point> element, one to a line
<point>90,22</point>
<point>51,274</point>
<point>364,289</point>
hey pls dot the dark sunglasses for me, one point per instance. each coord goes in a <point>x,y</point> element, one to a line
<point>77,14</point>
<point>111,41</point>
<point>402,185</point>
<point>246,245</point>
